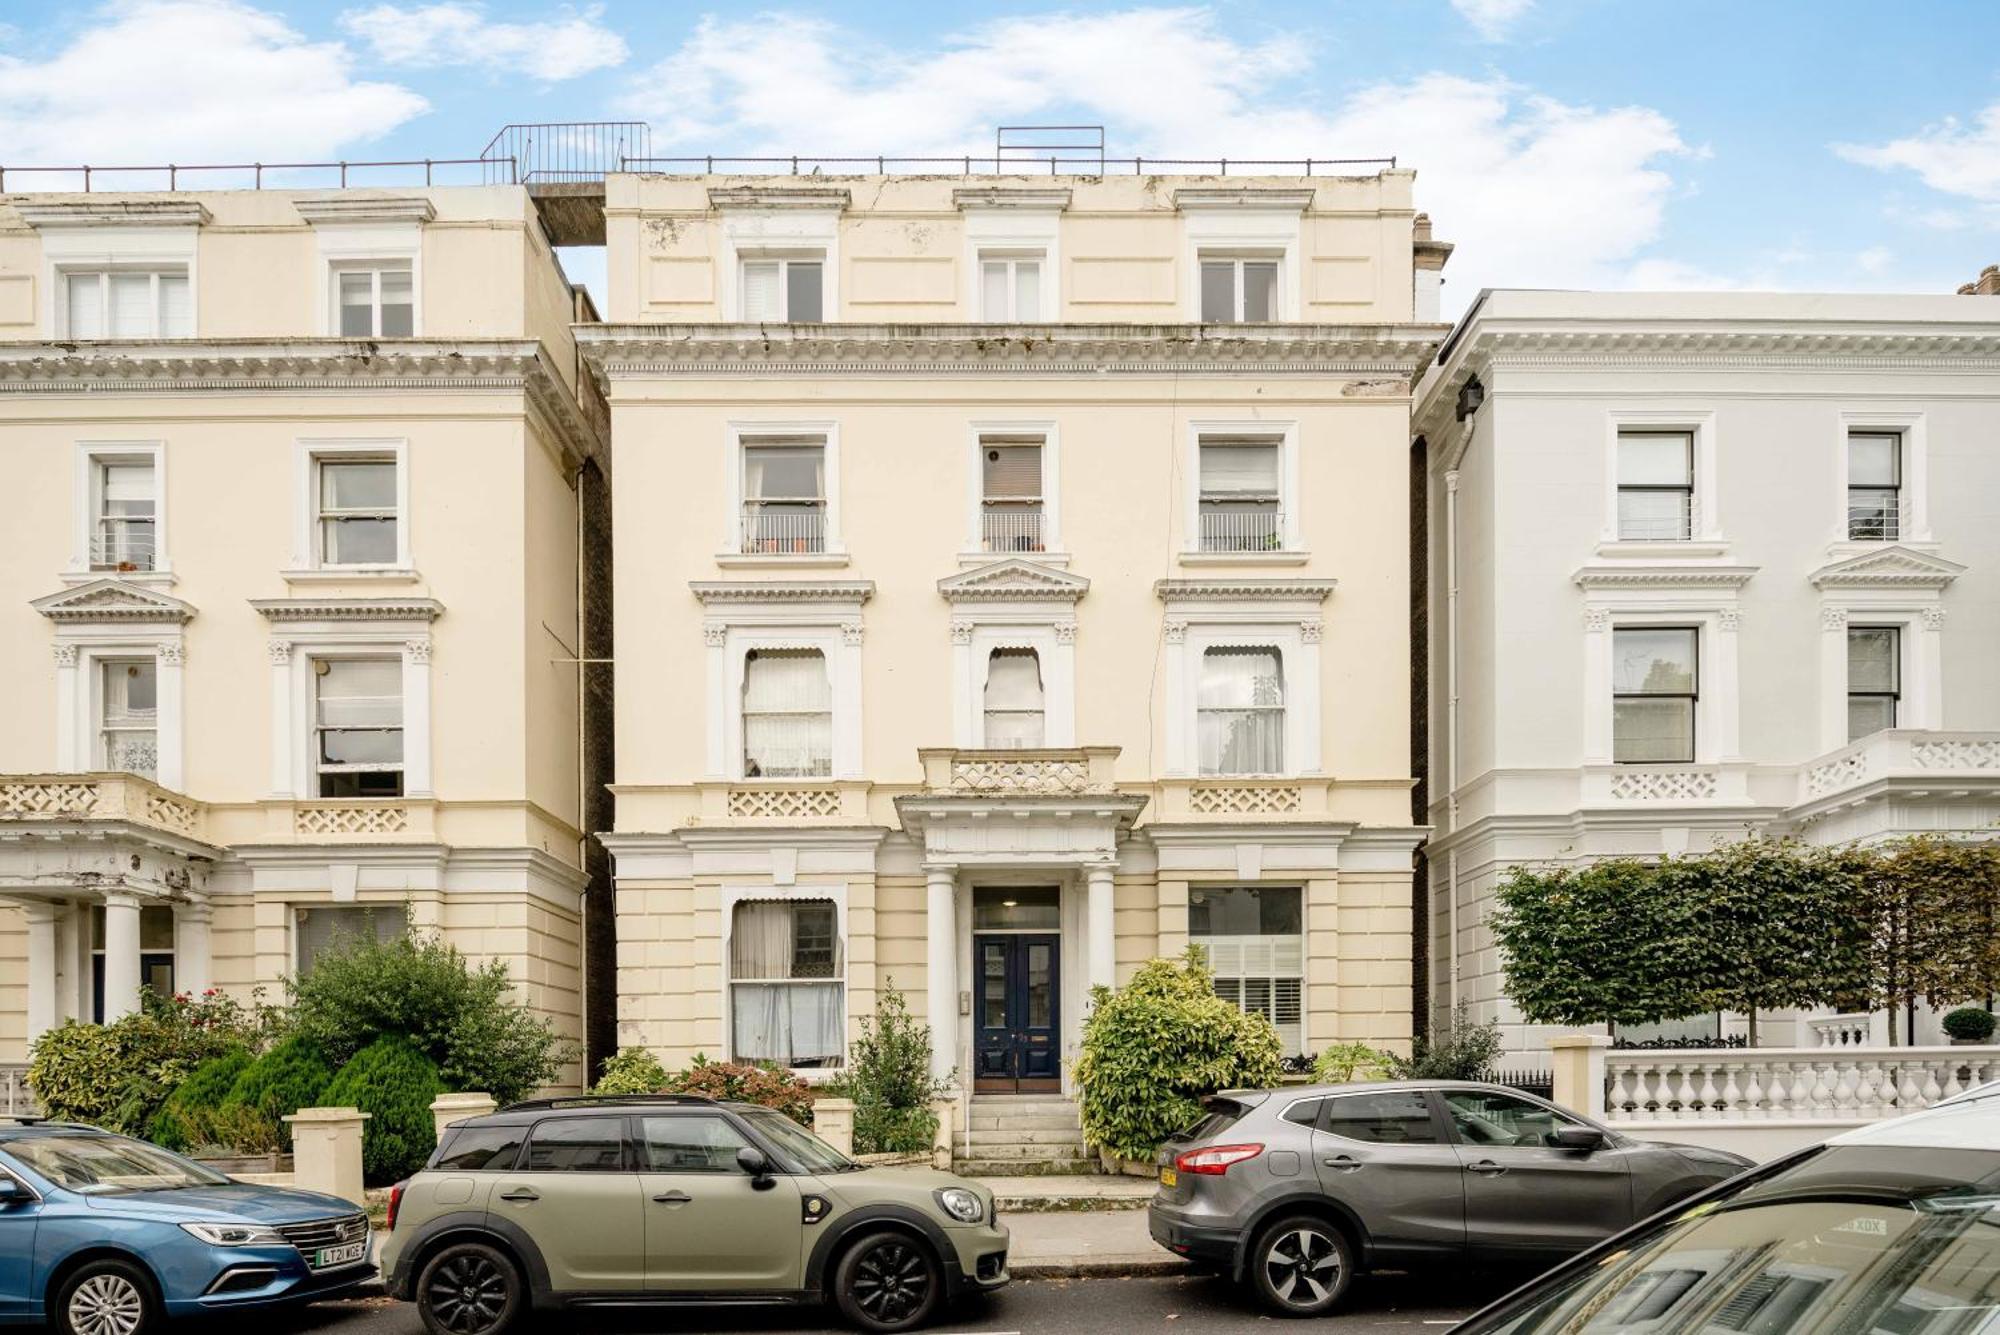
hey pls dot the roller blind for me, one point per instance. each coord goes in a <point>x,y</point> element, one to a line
<point>1239,468</point>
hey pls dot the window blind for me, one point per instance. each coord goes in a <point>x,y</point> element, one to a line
<point>1239,468</point>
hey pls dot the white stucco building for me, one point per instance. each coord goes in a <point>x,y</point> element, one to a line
<point>1699,566</point>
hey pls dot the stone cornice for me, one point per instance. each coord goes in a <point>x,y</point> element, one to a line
<point>1243,198</point>
<point>1663,577</point>
<point>1394,354</point>
<point>778,197</point>
<point>1047,200</point>
<point>111,213</point>
<point>308,364</point>
<point>1891,568</point>
<point>1013,580</point>
<point>713,592</point>
<point>1242,590</point>
<point>363,209</point>
<point>111,600</point>
<point>282,610</point>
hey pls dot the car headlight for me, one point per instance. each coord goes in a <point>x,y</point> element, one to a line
<point>962,1205</point>
<point>236,1235</point>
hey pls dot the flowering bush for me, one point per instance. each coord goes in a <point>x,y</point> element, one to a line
<point>737,1082</point>
<point>118,1076</point>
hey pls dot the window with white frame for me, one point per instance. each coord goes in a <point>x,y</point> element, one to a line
<point>1254,938</point>
<point>784,289</point>
<point>124,524</point>
<point>1010,494</point>
<point>1874,679</point>
<point>1242,498</point>
<point>127,303</point>
<point>1655,676</point>
<point>787,715</point>
<point>1238,288</point>
<point>358,726</point>
<point>1875,486</point>
<point>356,509</point>
<point>1010,286</point>
<point>1016,709</point>
<point>1240,711</point>
<point>334,930</point>
<point>1656,486</point>
<point>128,715</point>
<point>787,983</point>
<point>784,494</point>
<point>374,299</point>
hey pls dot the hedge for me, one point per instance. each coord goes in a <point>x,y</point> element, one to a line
<point>291,1076</point>
<point>394,1083</point>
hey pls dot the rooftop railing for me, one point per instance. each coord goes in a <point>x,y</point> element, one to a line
<point>1054,164</point>
<point>284,175</point>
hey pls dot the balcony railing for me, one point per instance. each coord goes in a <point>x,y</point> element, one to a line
<point>1015,529</point>
<point>122,545</point>
<point>1242,530</point>
<point>1887,521</point>
<point>791,530</point>
<point>1673,519</point>
<point>1835,1085</point>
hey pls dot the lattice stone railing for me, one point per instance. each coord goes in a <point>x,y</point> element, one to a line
<point>992,775</point>
<point>350,818</point>
<point>1843,771</point>
<point>1736,1085</point>
<point>48,797</point>
<point>1245,799</point>
<point>1956,753</point>
<point>1664,785</point>
<point>99,797</point>
<point>783,803</point>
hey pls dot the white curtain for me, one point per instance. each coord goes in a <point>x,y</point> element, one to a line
<point>1241,712</point>
<point>793,1023</point>
<point>787,715</point>
<point>1015,713</point>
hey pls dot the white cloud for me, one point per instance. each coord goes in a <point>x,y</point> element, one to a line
<point>191,81</point>
<point>1952,156</point>
<point>1535,191</point>
<point>1492,19</point>
<point>430,36</point>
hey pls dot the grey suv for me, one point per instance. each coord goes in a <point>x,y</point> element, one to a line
<point>1295,1190</point>
<point>663,1199</point>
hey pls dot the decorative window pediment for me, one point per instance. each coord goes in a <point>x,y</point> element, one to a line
<point>111,600</point>
<point>1013,580</point>
<point>348,609</point>
<point>1890,568</point>
<point>1651,576</point>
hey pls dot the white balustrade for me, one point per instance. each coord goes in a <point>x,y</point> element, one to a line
<point>1853,1030</point>
<point>1845,1083</point>
<point>1012,529</point>
<point>784,530</point>
<point>1242,530</point>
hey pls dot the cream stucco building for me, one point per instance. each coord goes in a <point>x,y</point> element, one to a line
<point>289,590</point>
<point>1014,588</point>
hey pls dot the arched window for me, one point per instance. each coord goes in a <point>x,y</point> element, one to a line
<point>1241,711</point>
<point>1015,711</point>
<point>787,715</point>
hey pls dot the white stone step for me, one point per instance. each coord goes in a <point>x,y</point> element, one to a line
<point>1023,1167</point>
<point>985,1150</point>
<point>985,1121</point>
<point>1022,1135</point>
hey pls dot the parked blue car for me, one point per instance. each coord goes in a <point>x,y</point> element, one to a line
<point>105,1235</point>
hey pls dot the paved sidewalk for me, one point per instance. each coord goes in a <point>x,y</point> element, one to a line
<point>1063,1244</point>
<point>1067,1191</point>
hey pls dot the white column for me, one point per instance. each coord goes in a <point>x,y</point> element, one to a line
<point>715,635</point>
<point>42,1001</point>
<point>121,955</point>
<point>417,718</point>
<point>1101,927</point>
<point>192,967</point>
<point>281,718</point>
<point>1929,669</point>
<point>1303,692</point>
<point>73,940</point>
<point>942,967</point>
<point>1727,687</point>
<point>1596,686</point>
<point>1181,750</point>
<point>965,700</point>
<point>168,728</point>
<point>1832,678</point>
<point>69,674</point>
<point>1060,696</point>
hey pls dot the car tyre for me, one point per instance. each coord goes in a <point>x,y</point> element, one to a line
<point>106,1298</point>
<point>888,1281</point>
<point>1301,1266</point>
<point>470,1288</point>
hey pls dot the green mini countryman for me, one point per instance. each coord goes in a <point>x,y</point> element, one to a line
<point>667,1199</point>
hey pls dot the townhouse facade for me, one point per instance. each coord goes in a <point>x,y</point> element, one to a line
<point>1013,589</point>
<point>292,592</point>
<point>1701,567</point>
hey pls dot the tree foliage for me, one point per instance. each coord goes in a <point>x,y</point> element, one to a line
<point>1154,1047</point>
<point>294,1074</point>
<point>188,1119</point>
<point>117,1076</point>
<point>394,1083</point>
<point>889,1078</point>
<point>1456,1050</point>
<point>631,1071</point>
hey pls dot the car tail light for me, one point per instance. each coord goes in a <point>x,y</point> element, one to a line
<point>395,1200</point>
<point>1216,1160</point>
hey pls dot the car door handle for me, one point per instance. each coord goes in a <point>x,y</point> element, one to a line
<point>673,1198</point>
<point>1486,1167</point>
<point>519,1194</point>
<point>1345,1163</point>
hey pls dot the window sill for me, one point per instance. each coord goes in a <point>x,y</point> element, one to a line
<point>781,560</point>
<point>971,560</point>
<point>1619,549</point>
<point>160,579</point>
<point>1287,557</point>
<point>351,575</point>
<point>1843,548</point>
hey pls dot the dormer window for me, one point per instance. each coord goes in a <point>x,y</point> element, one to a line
<point>127,303</point>
<point>784,289</point>
<point>374,300</point>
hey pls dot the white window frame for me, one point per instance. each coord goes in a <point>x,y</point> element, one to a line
<point>375,268</point>
<point>365,244</point>
<point>1012,257</point>
<point>312,747</point>
<point>1717,719</point>
<point>1023,231</point>
<point>1298,663</point>
<point>399,908</point>
<point>1920,623</point>
<point>1705,537</point>
<point>761,233</point>
<point>784,259</point>
<point>1912,427</point>
<point>294,775</point>
<point>742,716</point>
<point>1286,436</point>
<point>1270,942</point>
<point>99,683</point>
<point>1053,552</point>
<point>83,649</point>
<point>1897,698</point>
<point>835,891</point>
<point>97,245</point>
<point>65,272</point>
<point>1243,234</point>
<point>1239,289</point>
<point>91,455</point>
<point>308,454</point>
<point>827,433</point>
<point>1695,740</point>
<point>1283,708</point>
<point>1057,657</point>
<point>986,710</point>
<point>728,660</point>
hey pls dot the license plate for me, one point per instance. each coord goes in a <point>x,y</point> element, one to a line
<point>1168,1177</point>
<point>332,1256</point>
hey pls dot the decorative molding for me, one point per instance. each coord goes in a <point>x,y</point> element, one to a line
<point>112,601</point>
<point>280,652</point>
<point>1833,618</point>
<point>778,197</point>
<point>1013,580</point>
<point>111,213</point>
<point>758,803</point>
<point>961,632</point>
<point>1175,632</point>
<point>1933,617</point>
<point>416,651</point>
<point>1310,630</point>
<point>344,208</point>
<point>715,634</point>
<point>1245,799</point>
<point>1028,198</point>
<point>714,593</point>
<point>1729,618</point>
<point>1597,619</point>
<point>171,653</point>
<point>1065,632</point>
<point>850,632</point>
<point>1263,199</point>
<point>65,654</point>
<point>1663,577</point>
<point>1889,568</point>
<point>621,351</point>
<point>287,610</point>
<point>1173,591</point>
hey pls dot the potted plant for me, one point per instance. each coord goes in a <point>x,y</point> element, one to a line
<point>1969,1025</point>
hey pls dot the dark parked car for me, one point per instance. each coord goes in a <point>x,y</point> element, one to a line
<point>1296,1190</point>
<point>1893,1228</point>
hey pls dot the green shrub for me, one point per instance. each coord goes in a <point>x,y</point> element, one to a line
<point>888,1076</point>
<point>464,1019</point>
<point>1458,1050</point>
<point>1344,1062</point>
<point>394,1083</point>
<point>76,1072</point>
<point>187,1119</point>
<point>632,1071</point>
<point>1969,1022</point>
<point>117,1076</point>
<point>737,1082</point>
<point>1154,1047</point>
<point>291,1076</point>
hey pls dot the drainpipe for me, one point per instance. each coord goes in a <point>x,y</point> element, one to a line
<point>1451,719</point>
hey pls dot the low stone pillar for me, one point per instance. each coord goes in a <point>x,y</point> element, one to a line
<point>326,1151</point>
<point>941,1143</point>
<point>833,1122</point>
<point>1579,1072</point>
<point>449,1108</point>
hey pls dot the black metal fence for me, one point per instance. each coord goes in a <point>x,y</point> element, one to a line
<point>558,151</point>
<point>1542,1084</point>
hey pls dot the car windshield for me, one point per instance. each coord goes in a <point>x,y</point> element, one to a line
<point>801,1146</point>
<point>1851,1241</point>
<point>102,1164</point>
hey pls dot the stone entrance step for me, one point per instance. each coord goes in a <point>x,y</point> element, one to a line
<point>988,1168</point>
<point>1050,1192</point>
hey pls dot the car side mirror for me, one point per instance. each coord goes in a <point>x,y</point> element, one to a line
<point>1584,1138</point>
<point>753,1161</point>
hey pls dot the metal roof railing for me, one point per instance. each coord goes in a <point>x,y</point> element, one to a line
<point>969,165</point>
<point>561,151</point>
<point>342,171</point>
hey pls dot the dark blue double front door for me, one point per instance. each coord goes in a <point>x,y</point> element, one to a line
<point>1016,1013</point>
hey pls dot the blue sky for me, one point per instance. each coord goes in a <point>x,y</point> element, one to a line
<point>1833,145</point>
